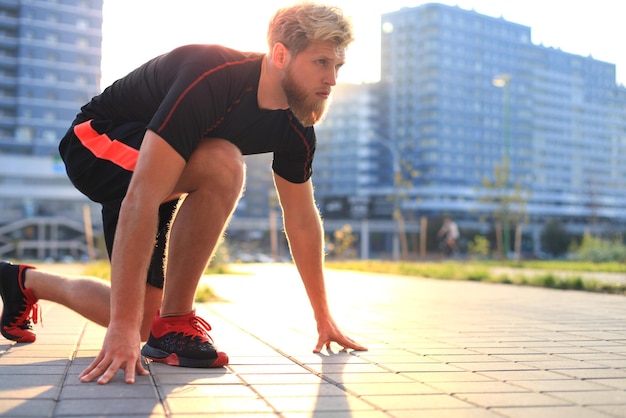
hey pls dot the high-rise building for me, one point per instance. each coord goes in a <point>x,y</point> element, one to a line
<point>347,166</point>
<point>49,66</point>
<point>50,54</point>
<point>468,92</point>
<point>478,115</point>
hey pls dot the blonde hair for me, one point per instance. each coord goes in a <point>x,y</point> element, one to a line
<point>297,26</point>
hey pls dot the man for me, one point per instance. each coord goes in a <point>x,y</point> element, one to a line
<point>449,233</point>
<point>161,150</point>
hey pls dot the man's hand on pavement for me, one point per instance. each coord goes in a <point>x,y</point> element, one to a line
<point>329,332</point>
<point>120,350</point>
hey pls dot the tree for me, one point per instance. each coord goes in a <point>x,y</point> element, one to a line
<point>344,243</point>
<point>509,206</point>
<point>555,239</point>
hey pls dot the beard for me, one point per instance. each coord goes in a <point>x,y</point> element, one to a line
<point>308,109</point>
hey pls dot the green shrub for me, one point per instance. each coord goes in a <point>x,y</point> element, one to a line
<point>102,270</point>
<point>204,293</point>
<point>598,250</point>
<point>479,247</point>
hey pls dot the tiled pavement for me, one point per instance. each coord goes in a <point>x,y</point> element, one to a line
<point>437,349</point>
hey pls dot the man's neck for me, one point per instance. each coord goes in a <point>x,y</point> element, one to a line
<point>270,95</point>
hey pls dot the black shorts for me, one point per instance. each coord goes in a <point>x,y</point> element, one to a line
<point>99,159</point>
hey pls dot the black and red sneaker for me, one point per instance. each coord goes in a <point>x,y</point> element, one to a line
<point>20,304</point>
<point>183,341</point>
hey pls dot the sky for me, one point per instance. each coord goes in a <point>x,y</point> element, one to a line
<point>135,31</point>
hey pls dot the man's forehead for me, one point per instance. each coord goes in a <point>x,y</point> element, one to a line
<point>327,49</point>
<point>340,52</point>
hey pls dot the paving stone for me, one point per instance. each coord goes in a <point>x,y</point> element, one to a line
<point>211,404</point>
<point>552,412</point>
<point>108,407</point>
<point>415,403</point>
<point>335,404</point>
<point>586,398</point>
<point>10,407</point>
<point>559,385</point>
<point>499,400</point>
<point>436,349</point>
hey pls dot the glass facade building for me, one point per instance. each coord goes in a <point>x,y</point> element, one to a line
<point>50,53</point>
<point>466,101</point>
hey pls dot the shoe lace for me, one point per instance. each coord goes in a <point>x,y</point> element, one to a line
<point>31,313</point>
<point>199,328</point>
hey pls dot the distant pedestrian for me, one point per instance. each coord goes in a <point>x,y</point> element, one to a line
<point>449,236</point>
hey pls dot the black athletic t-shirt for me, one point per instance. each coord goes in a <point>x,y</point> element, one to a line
<point>200,91</point>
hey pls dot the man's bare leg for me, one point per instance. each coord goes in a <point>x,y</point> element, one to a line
<point>213,178</point>
<point>88,296</point>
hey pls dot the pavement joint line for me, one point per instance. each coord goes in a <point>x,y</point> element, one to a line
<point>71,359</point>
<point>155,387</point>
<point>303,365</point>
<point>520,352</point>
<point>277,412</point>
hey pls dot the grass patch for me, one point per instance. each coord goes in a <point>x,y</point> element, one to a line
<point>558,265</point>
<point>486,272</point>
<point>100,269</point>
<point>204,293</point>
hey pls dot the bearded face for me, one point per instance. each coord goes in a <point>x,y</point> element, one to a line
<point>307,106</point>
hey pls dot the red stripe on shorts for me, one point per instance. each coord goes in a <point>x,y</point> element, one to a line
<point>106,148</point>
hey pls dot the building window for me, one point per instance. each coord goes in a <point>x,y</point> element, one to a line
<point>49,137</point>
<point>82,24</point>
<point>24,135</point>
<point>82,43</point>
<point>52,38</point>
<point>81,80</point>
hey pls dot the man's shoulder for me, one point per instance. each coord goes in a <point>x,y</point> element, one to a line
<point>212,52</point>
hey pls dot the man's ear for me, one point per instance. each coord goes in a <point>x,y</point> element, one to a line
<point>280,55</point>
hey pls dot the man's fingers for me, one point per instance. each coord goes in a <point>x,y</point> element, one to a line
<point>129,372</point>
<point>350,343</point>
<point>133,368</point>
<point>139,369</point>
<point>105,370</point>
<point>320,344</point>
<point>318,347</point>
<point>355,347</point>
<point>345,342</point>
<point>92,371</point>
<point>93,364</point>
<point>109,374</point>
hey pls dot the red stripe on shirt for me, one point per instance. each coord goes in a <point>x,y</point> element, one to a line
<point>106,148</point>
<point>195,83</point>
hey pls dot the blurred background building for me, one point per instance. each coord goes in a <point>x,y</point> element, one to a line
<point>484,126</point>
<point>50,55</point>
<point>470,120</point>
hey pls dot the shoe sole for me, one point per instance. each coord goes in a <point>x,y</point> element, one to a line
<point>173,359</point>
<point>18,338</point>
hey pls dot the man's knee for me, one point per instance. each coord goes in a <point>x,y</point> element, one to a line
<point>216,165</point>
<point>227,157</point>
<point>228,171</point>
